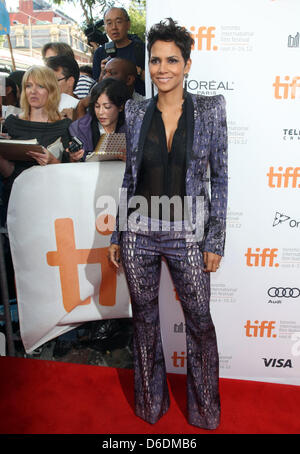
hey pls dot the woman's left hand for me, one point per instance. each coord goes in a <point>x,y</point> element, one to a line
<point>211,262</point>
<point>41,158</point>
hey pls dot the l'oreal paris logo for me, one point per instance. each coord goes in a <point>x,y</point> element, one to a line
<point>210,85</point>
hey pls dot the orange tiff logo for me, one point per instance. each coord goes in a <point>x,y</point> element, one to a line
<point>284,178</point>
<point>287,89</point>
<point>67,258</point>
<point>203,38</point>
<point>263,329</point>
<point>179,360</point>
<point>261,258</point>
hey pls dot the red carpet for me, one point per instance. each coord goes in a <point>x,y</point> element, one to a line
<point>47,397</point>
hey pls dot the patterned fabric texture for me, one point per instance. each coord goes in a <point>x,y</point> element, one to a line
<point>206,148</point>
<point>142,251</point>
<point>141,257</point>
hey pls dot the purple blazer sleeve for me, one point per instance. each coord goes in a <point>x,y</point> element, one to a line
<point>215,230</point>
<point>127,188</point>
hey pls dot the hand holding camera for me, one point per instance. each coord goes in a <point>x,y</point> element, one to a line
<point>75,150</point>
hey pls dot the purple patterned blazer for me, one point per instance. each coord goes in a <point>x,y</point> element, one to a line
<point>206,145</point>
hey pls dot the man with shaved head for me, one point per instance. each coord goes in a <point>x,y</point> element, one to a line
<point>121,69</point>
<point>117,68</point>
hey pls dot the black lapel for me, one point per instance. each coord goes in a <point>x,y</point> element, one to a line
<point>189,127</point>
<point>144,130</point>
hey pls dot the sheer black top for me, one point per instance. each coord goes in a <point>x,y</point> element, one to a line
<point>163,172</point>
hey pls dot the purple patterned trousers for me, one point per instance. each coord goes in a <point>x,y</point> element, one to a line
<point>141,254</point>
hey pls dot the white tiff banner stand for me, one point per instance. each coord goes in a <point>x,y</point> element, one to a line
<point>248,51</point>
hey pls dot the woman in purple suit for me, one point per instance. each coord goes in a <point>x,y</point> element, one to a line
<point>172,140</point>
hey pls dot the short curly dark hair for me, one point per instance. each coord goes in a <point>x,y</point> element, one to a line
<point>169,30</point>
<point>117,93</point>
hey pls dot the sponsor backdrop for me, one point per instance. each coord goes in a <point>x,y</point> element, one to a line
<point>248,51</point>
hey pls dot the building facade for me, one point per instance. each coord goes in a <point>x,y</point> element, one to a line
<point>37,23</point>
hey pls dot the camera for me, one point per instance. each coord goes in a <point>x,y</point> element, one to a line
<point>93,33</point>
<point>110,49</point>
<point>75,145</point>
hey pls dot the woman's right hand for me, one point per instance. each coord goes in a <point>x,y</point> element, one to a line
<point>75,157</point>
<point>114,254</point>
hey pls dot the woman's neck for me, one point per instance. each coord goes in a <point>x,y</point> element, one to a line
<point>169,100</point>
<point>110,129</point>
<point>39,115</point>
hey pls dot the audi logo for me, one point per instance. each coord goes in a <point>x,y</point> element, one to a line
<point>281,292</point>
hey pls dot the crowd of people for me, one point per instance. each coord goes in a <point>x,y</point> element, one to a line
<point>60,100</point>
<point>53,96</point>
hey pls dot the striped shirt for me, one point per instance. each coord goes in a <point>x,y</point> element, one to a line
<point>84,86</point>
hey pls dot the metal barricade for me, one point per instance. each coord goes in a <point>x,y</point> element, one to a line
<point>5,298</point>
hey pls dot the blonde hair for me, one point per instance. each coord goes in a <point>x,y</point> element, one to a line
<point>46,78</point>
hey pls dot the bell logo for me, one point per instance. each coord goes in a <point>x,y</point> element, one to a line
<point>179,327</point>
<point>287,89</point>
<point>264,329</point>
<point>284,178</point>
<point>264,258</point>
<point>203,38</point>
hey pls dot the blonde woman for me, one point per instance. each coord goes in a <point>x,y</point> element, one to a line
<point>40,119</point>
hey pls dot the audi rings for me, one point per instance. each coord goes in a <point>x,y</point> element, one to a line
<point>281,292</point>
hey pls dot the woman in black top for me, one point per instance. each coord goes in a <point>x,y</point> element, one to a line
<point>40,119</point>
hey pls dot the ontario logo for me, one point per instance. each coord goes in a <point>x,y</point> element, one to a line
<point>280,219</point>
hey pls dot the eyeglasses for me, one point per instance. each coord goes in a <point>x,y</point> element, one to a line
<point>110,23</point>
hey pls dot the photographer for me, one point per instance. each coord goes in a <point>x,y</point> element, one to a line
<point>122,45</point>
